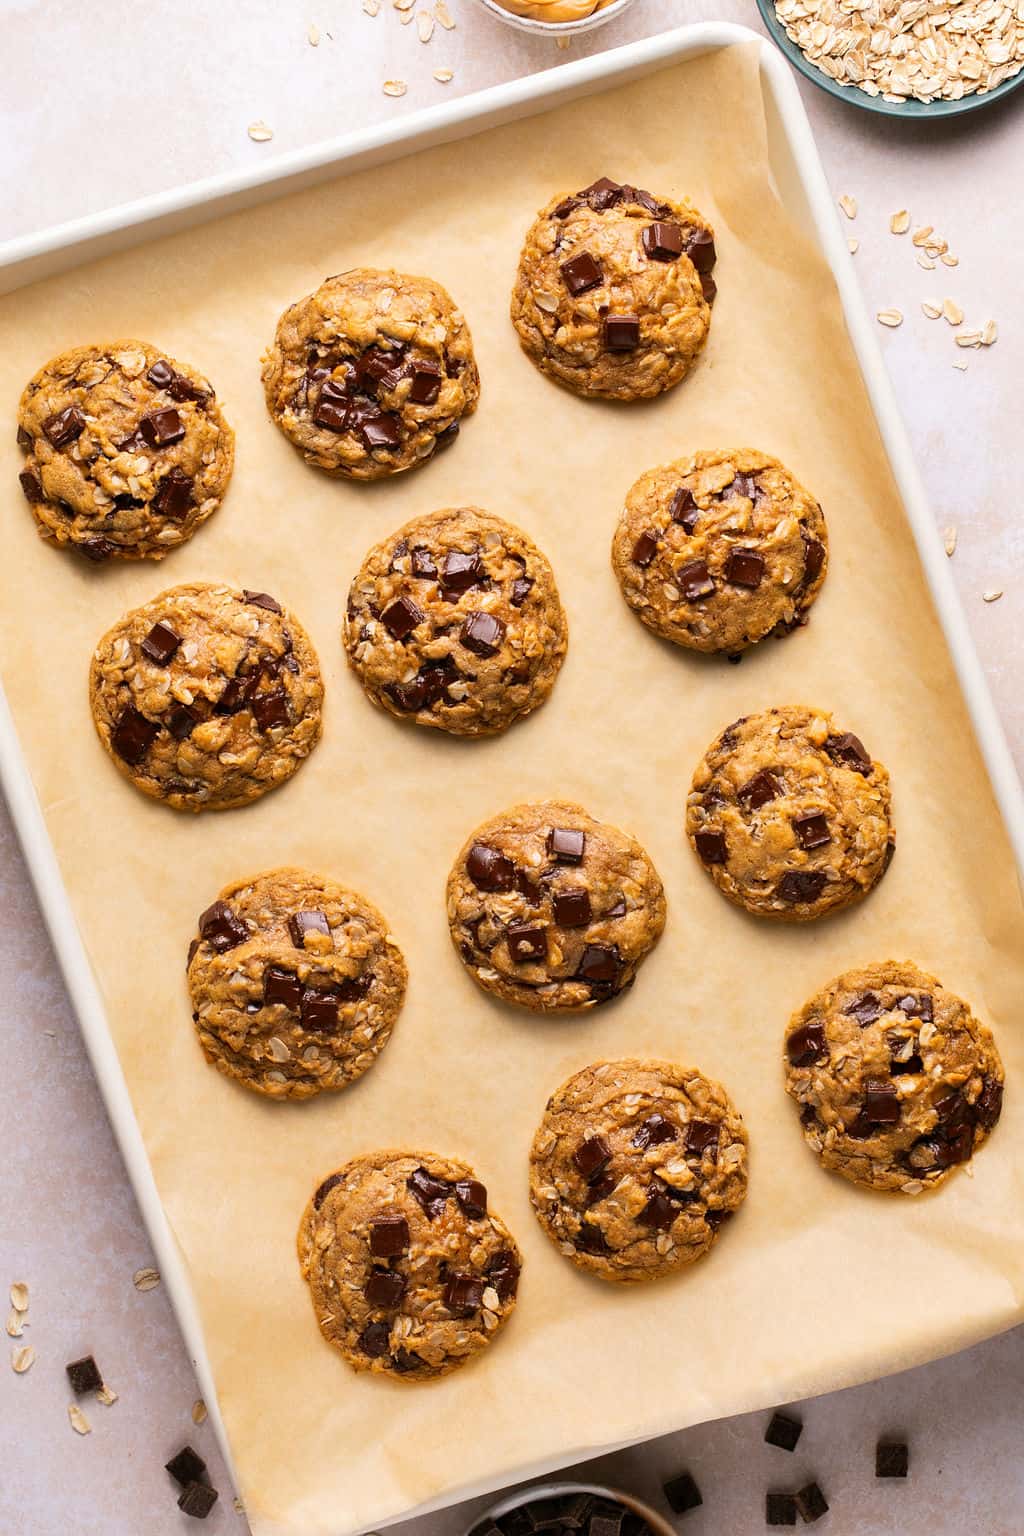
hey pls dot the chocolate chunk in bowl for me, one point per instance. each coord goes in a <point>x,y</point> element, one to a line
<point>576,1509</point>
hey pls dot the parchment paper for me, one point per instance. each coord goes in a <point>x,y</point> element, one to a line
<point>816,1284</point>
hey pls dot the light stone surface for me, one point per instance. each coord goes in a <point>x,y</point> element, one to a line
<point>68,1223</point>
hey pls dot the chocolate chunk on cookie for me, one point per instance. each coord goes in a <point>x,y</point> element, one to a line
<point>635,1167</point>
<point>614,288</point>
<point>898,1083</point>
<point>371,374</point>
<point>718,550</point>
<point>127,451</point>
<point>420,1308</point>
<point>455,622</point>
<point>206,697</point>
<point>787,825</point>
<point>551,909</point>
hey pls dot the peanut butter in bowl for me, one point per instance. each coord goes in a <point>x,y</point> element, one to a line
<point>562,15</point>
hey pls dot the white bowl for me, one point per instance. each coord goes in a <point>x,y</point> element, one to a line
<point>556,28</point>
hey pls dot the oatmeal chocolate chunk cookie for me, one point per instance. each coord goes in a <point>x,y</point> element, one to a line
<point>207,698</point>
<point>790,816</point>
<point>614,289</point>
<point>720,549</point>
<point>897,1082</point>
<point>635,1167</point>
<point>371,374</point>
<point>296,983</point>
<point>553,910</point>
<point>455,621</point>
<point>127,451</point>
<point>410,1274</point>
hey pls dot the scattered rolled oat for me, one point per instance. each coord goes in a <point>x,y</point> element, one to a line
<point>313,35</point>
<point>107,1396</point>
<point>424,26</point>
<point>406,17</point>
<point>259,132</point>
<point>923,236</point>
<point>394,87</point>
<point>968,339</point>
<point>19,1296</point>
<point>949,260</point>
<point>79,1423</point>
<point>849,205</point>
<point>990,335</point>
<point>371,7</point>
<point>443,76</point>
<point>900,222</point>
<point>443,16</point>
<point>949,541</point>
<point>198,1411</point>
<point>15,1323</point>
<point>853,246</point>
<point>952,312</point>
<point>933,311</point>
<point>22,1358</point>
<point>146,1279</point>
<point>992,596</point>
<point>890,317</point>
<point>960,367</point>
<point>924,261</point>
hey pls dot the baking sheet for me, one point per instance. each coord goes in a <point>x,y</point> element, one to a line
<point>816,1284</point>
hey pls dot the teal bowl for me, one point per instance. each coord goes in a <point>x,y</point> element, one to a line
<point>858,98</point>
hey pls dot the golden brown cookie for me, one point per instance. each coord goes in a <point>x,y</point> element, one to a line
<point>207,697</point>
<point>718,550</point>
<point>635,1167</point>
<point>409,1273</point>
<point>127,451</point>
<point>296,983</point>
<point>551,909</point>
<point>455,622</point>
<point>371,374</point>
<point>614,289</point>
<point>898,1083</point>
<point>790,816</point>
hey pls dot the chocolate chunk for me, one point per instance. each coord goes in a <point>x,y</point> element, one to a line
<point>566,845</point>
<point>281,986</point>
<point>463,1294</point>
<point>546,1514</point>
<point>490,870</point>
<point>708,287</point>
<point>711,847</point>
<point>716,1219</point>
<point>600,963</point>
<point>849,749</point>
<point>426,383</point>
<point>744,568</point>
<point>235,695</point>
<point>472,1197</point>
<point>461,571</point>
<point>428,687</point>
<point>904,1060</point>
<point>384,1288</point>
<point>881,1103</point>
<point>181,388</point>
<point>525,942</point>
<point>808,1045</point>
<point>445,439</point>
<point>700,247</point>
<point>581,273</point>
<point>173,495</point>
<point>331,1182</point>
<point>606,1521</point>
<point>618,909</point>
<point>261,600</point>
<point>919,1007</point>
<point>702,1136</point>
<point>380,429</point>
<point>865,1009</point>
<point>64,427</point>
<point>621,333</point>
<point>602,194</point>
<point>84,1376</point>
<point>645,548</point>
<point>764,786</point>
<point>683,509</point>
<point>682,1494</point>
<point>503,1273</point>
<point>401,617</point>
<point>270,709</point>
<point>572,908</point>
<point>779,1509</point>
<point>375,1340</point>
<point>654,1131</point>
<point>694,581</point>
<point>186,1467</point>
<point>221,928</point>
<point>428,1192</point>
<point>600,1188</point>
<point>783,1432</point>
<point>742,485</point>
<point>990,1103</point>
<point>318,1010</point>
<point>663,242</point>
<point>812,830</point>
<point>892,1458</point>
<point>389,1237</point>
<point>811,1503</point>
<point>163,427</point>
<point>422,563</point>
<point>521,589</point>
<point>482,634</point>
<point>814,559</point>
<point>590,1239</point>
<point>132,736</point>
<point>32,486</point>
<point>161,643</point>
<point>659,1212</point>
<point>197,1500</point>
<point>332,411</point>
<point>301,923</point>
<point>161,373</point>
<point>592,1156</point>
<point>798,886</point>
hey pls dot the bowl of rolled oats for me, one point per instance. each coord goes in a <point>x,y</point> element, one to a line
<point>904,58</point>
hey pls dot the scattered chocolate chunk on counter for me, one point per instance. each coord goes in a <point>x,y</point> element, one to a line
<point>780,1509</point>
<point>84,1376</point>
<point>682,1494</point>
<point>197,1500</point>
<point>811,1503</point>
<point>783,1431</point>
<point>892,1458</point>
<point>187,1466</point>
